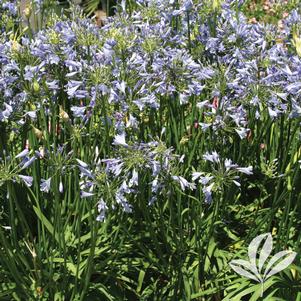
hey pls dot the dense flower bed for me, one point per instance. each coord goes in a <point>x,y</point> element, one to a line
<point>136,157</point>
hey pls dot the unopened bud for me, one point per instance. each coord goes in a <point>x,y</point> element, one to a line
<point>289,184</point>
<point>15,46</point>
<point>36,86</point>
<point>27,11</point>
<point>61,187</point>
<point>297,43</point>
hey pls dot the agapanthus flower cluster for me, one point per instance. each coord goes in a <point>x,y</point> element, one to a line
<point>75,79</point>
<point>120,176</point>
<point>9,7</point>
<point>223,173</point>
<point>241,55</point>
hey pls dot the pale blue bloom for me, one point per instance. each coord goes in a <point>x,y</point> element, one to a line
<point>120,140</point>
<point>78,111</point>
<point>207,190</point>
<point>23,153</point>
<point>102,208</point>
<point>45,185</point>
<point>81,163</point>
<point>85,194</point>
<point>242,132</point>
<point>134,180</point>
<point>27,162</point>
<point>86,172</point>
<point>246,170</point>
<point>27,180</point>
<point>213,157</point>
<point>183,183</point>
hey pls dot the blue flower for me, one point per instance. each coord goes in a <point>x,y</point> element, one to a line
<point>85,194</point>
<point>183,183</point>
<point>213,157</point>
<point>45,185</point>
<point>120,140</point>
<point>78,111</point>
<point>23,153</point>
<point>246,170</point>
<point>102,208</point>
<point>26,179</point>
<point>27,162</point>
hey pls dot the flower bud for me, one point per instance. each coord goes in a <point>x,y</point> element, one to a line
<point>15,46</point>
<point>61,187</point>
<point>36,86</point>
<point>289,184</point>
<point>27,11</point>
<point>297,43</point>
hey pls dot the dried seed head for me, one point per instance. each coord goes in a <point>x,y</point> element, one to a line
<point>101,17</point>
<point>64,115</point>
<point>253,21</point>
<point>38,133</point>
